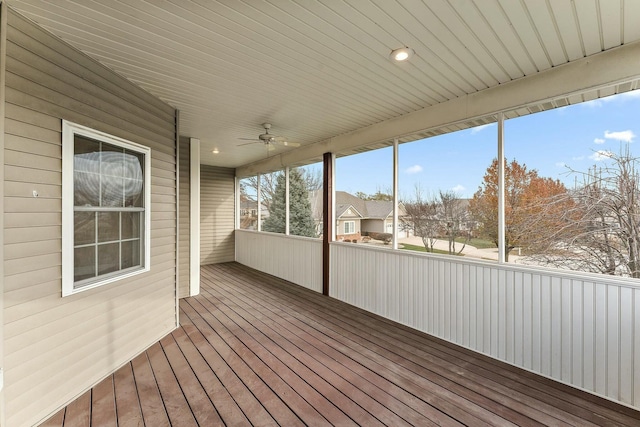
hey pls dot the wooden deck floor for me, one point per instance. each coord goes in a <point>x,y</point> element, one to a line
<point>255,350</point>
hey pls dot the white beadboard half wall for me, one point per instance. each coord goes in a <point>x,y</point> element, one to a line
<point>580,329</point>
<point>293,258</point>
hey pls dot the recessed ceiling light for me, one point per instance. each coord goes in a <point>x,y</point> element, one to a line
<point>401,54</point>
<point>215,151</point>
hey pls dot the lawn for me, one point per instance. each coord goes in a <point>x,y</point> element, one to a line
<point>423,249</point>
<point>478,243</point>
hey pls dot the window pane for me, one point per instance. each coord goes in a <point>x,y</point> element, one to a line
<point>273,202</point>
<point>574,204</point>
<point>133,165</point>
<point>248,204</point>
<point>84,228</point>
<point>130,254</point>
<point>133,193</point>
<point>84,263</point>
<point>130,225</point>
<point>108,226</point>
<point>86,177</point>
<point>86,189</point>
<point>108,258</point>
<point>448,194</point>
<point>364,199</point>
<point>305,201</point>
<point>112,160</point>
<point>133,181</point>
<point>112,192</point>
<point>112,171</point>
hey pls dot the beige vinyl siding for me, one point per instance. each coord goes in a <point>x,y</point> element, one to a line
<point>3,43</point>
<point>217,213</point>
<point>184,255</point>
<point>56,348</point>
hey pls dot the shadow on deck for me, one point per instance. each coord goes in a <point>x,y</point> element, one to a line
<point>256,350</point>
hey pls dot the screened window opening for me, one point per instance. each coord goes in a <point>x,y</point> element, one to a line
<point>106,199</point>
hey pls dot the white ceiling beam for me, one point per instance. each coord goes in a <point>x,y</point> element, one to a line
<point>600,70</point>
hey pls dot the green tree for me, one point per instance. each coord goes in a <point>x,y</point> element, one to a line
<point>300,216</point>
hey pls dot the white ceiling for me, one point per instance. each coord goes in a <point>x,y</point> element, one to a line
<point>320,69</point>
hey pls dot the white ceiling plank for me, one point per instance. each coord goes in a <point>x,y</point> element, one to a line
<point>482,29</point>
<point>434,37</point>
<point>365,33</point>
<point>543,18</point>
<point>497,18</point>
<point>589,24</point>
<point>335,59</point>
<point>630,15</point>
<point>391,37</point>
<point>611,18</point>
<point>472,41</point>
<point>565,20</point>
<point>521,21</point>
<point>290,55</point>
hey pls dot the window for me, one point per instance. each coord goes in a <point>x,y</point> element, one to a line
<point>442,210</point>
<point>305,200</point>
<point>249,203</point>
<point>105,208</point>
<point>364,195</point>
<point>349,227</point>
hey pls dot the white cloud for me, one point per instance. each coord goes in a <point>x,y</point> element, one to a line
<point>601,155</point>
<point>413,169</point>
<point>630,94</point>
<point>599,141</point>
<point>458,188</point>
<point>481,128</point>
<point>561,164</point>
<point>625,135</point>
<point>594,103</point>
<point>578,158</point>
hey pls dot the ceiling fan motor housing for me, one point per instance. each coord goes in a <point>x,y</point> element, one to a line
<point>266,137</point>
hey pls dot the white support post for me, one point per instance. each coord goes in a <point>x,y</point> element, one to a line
<point>501,191</point>
<point>333,197</point>
<point>286,197</point>
<point>259,178</point>
<point>238,207</point>
<point>194,217</point>
<point>395,193</point>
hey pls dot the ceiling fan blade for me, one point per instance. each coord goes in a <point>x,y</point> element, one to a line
<point>248,143</point>
<point>249,139</point>
<point>286,143</point>
<point>270,147</point>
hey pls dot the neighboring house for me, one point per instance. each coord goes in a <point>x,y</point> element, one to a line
<point>356,217</point>
<point>249,213</point>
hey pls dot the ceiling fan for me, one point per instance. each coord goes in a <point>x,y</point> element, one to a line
<point>269,140</point>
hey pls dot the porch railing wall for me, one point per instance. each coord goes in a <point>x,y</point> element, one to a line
<point>293,258</point>
<point>580,329</point>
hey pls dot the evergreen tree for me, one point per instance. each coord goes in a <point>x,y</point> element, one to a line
<point>300,216</point>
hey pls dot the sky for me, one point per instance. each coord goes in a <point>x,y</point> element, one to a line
<point>576,136</point>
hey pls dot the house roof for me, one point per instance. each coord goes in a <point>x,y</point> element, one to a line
<point>366,209</point>
<point>320,72</point>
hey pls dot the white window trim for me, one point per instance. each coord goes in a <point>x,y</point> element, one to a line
<point>353,226</point>
<point>69,130</point>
